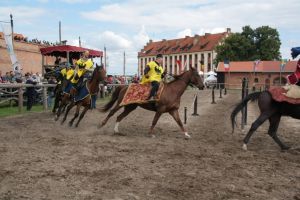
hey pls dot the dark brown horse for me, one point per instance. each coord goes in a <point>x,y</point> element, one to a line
<point>98,75</point>
<point>269,110</point>
<point>169,100</point>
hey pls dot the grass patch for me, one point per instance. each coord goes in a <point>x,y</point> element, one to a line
<point>7,110</point>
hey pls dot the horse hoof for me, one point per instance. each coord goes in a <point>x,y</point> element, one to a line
<point>245,147</point>
<point>187,136</point>
<point>56,118</point>
<point>284,148</point>
<point>62,122</point>
<point>70,124</point>
<point>119,134</point>
<point>152,136</point>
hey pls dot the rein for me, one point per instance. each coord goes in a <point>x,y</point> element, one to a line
<point>181,79</point>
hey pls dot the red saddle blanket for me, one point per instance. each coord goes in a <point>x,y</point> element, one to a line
<point>138,93</point>
<point>277,95</point>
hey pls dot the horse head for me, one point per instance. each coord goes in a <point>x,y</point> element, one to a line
<point>100,72</point>
<point>196,79</point>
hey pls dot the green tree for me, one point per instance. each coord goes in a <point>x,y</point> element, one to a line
<point>262,43</point>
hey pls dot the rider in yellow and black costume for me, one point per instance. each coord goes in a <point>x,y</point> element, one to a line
<point>153,74</point>
<point>83,65</point>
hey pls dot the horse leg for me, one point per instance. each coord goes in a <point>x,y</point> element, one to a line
<point>274,123</point>
<point>127,109</point>
<point>259,121</point>
<point>70,106</point>
<point>111,113</point>
<point>154,122</point>
<point>59,110</point>
<point>76,114</point>
<point>82,115</point>
<point>175,115</point>
<point>56,103</point>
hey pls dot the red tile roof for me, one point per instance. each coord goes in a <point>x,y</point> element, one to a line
<point>188,44</point>
<point>263,66</point>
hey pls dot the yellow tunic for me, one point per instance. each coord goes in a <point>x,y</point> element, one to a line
<point>80,72</point>
<point>154,73</point>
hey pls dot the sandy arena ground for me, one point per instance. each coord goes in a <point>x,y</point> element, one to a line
<point>41,159</point>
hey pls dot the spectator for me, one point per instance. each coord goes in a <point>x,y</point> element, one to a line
<point>1,78</point>
<point>135,79</point>
<point>30,91</point>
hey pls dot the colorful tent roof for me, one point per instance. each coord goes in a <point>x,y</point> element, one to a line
<point>74,51</point>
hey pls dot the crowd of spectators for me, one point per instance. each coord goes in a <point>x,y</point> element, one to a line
<point>21,38</point>
<point>12,77</point>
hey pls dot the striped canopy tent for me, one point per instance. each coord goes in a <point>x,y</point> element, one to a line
<point>73,51</point>
<point>68,52</point>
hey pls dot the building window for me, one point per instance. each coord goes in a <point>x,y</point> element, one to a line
<point>256,80</point>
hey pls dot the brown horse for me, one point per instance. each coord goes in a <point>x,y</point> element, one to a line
<point>269,110</point>
<point>168,102</point>
<point>98,75</point>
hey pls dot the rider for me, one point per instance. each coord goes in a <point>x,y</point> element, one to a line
<point>82,65</point>
<point>295,77</point>
<point>153,74</point>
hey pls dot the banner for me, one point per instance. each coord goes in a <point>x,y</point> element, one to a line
<point>282,64</point>
<point>7,32</point>
<point>255,65</point>
<point>226,65</point>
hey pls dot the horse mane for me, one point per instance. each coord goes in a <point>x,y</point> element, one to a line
<point>94,72</point>
<point>176,77</point>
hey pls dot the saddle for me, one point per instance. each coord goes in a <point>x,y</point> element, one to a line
<point>138,93</point>
<point>281,94</point>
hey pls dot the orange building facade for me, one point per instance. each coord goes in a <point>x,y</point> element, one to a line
<point>267,73</point>
<point>28,55</point>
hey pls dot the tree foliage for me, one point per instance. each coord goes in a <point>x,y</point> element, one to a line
<point>262,43</point>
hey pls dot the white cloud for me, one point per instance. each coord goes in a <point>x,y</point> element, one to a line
<point>185,32</point>
<point>75,1</point>
<point>141,38</point>
<point>22,14</point>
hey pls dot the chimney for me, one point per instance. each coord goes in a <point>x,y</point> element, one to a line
<point>228,30</point>
<point>187,36</point>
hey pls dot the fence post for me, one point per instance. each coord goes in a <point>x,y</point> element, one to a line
<point>20,99</point>
<point>195,106</point>
<point>243,109</point>
<point>225,91</point>
<point>220,92</point>
<point>185,115</point>
<point>45,99</point>
<point>213,95</point>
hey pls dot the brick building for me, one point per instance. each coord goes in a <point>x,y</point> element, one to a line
<point>197,51</point>
<point>28,55</point>
<point>266,73</point>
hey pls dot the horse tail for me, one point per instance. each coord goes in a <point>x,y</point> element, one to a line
<point>113,99</point>
<point>241,105</point>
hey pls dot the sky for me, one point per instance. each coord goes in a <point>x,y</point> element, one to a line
<point>127,25</point>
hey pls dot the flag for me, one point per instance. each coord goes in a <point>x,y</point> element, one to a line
<point>282,64</point>
<point>295,52</point>
<point>7,32</point>
<point>178,62</point>
<point>255,65</point>
<point>226,65</point>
